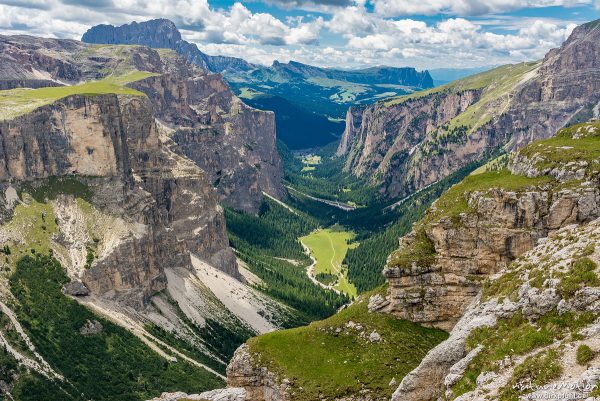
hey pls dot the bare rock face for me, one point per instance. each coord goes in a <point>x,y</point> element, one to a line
<point>380,139</point>
<point>226,394</point>
<point>501,227</point>
<point>232,142</point>
<point>406,145</point>
<point>258,382</point>
<point>117,138</point>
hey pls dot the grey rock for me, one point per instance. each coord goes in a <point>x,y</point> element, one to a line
<point>91,327</point>
<point>374,337</point>
<point>75,288</point>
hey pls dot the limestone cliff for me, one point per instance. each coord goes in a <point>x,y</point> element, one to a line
<point>484,223</point>
<point>407,143</point>
<point>233,143</point>
<point>112,144</point>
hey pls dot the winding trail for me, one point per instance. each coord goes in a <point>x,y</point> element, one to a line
<point>310,271</point>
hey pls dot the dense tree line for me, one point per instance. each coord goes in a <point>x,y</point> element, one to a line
<point>274,230</point>
<point>328,180</point>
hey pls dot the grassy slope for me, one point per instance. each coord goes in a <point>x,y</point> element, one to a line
<point>16,102</point>
<point>473,82</point>
<point>321,361</point>
<point>329,246</point>
<point>497,84</point>
<point>579,143</point>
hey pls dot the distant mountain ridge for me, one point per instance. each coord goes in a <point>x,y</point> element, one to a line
<point>160,33</point>
<point>325,92</point>
<point>163,33</point>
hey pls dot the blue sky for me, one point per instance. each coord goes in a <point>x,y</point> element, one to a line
<point>334,33</point>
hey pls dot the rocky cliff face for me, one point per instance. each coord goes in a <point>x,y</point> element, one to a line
<point>214,128</point>
<point>483,224</point>
<point>232,142</point>
<point>408,143</point>
<point>113,144</point>
<point>258,383</point>
<point>121,148</point>
<point>378,138</point>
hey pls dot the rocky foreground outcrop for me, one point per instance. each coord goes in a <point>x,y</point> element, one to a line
<point>534,331</point>
<point>413,141</point>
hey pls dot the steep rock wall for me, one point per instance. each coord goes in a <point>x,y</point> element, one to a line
<point>112,143</point>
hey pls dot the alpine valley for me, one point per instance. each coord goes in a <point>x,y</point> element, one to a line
<point>177,226</point>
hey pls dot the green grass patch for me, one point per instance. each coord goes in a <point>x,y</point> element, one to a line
<point>536,370</point>
<point>582,274</point>
<point>49,188</point>
<point>35,221</point>
<point>584,354</point>
<point>421,251</point>
<point>329,246</point>
<point>334,365</point>
<point>16,102</point>
<point>498,78</point>
<point>506,285</point>
<point>578,143</point>
<point>516,336</point>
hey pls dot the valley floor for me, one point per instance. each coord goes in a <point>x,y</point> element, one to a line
<point>328,248</point>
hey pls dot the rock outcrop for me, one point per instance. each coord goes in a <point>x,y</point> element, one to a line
<point>413,141</point>
<point>525,298</point>
<point>228,394</point>
<point>259,383</point>
<point>483,224</point>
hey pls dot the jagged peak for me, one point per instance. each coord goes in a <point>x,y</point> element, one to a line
<point>161,29</point>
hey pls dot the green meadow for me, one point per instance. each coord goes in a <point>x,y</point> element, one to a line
<point>16,102</point>
<point>337,358</point>
<point>329,246</point>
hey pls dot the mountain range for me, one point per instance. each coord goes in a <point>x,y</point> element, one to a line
<point>299,94</point>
